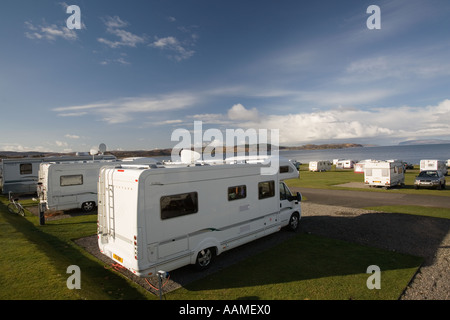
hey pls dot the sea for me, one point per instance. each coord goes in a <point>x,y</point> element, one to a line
<point>408,153</point>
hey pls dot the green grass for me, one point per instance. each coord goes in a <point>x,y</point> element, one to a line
<point>35,259</point>
<point>331,179</point>
<point>307,267</point>
<point>434,212</point>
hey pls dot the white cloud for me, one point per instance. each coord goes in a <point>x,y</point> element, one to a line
<point>341,123</point>
<point>61,143</point>
<point>122,110</point>
<point>239,112</point>
<point>348,124</point>
<point>72,136</point>
<point>173,45</point>
<point>49,32</point>
<point>114,25</point>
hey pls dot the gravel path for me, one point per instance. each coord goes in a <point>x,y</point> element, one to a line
<point>415,235</point>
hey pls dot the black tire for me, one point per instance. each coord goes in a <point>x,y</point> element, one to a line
<point>204,259</point>
<point>294,222</point>
<point>88,206</point>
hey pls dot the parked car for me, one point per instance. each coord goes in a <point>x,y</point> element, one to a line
<point>430,179</point>
<point>408,165</point>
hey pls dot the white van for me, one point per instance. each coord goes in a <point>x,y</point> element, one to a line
<point>163,218</point>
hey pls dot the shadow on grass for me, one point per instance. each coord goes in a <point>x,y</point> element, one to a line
<point>96,281</point>
<point>327,246</point>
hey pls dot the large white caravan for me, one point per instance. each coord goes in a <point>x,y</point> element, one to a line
<point>438,165</point>
<point>163,218</point>
<point>69,185</point>
<point>384,173</point>
<point>20,175</point>
<point>320,165</point>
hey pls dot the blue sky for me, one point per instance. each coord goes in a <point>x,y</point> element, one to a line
<point>137,71</point>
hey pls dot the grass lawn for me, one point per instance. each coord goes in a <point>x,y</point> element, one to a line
<point>307,267</point>
<point>35,259</point>
<point>330,180</point>
<point>443,213</point>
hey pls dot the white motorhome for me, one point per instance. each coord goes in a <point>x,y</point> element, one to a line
<point>69,185</point>
<point>163,218</point>
<point>319,165</point>
<point>20,175</point>
<point>386,174</point>
<point>438,165</point>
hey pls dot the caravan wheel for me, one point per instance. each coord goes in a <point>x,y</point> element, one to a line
<point>204,259</point>
<point>88,206</point>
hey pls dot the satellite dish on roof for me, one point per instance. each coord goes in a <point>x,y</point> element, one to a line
<point>93,151</point>
<point>189,156</point>
<point>102,148</point>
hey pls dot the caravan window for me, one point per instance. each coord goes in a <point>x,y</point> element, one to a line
<point>178,205</point>
<point>236,193</point>
<point>26,168</point>
<point>73,180</point>
<point>266,189</point>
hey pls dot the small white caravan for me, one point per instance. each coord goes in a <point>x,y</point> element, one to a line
<point>20,175</point>
<point>162,218</point>
<point>69,185</point>
<point>319,166</point>
<point>345,164</point>
<point>438,165</point>
<point>359,166</point>
<point>384,173</point>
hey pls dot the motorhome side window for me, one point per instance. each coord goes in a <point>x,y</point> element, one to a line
<point>266,189</point>
<point>178,205</point>
<point>285,193</point>
<point>26,168</point>
<point>284,169</point>
<point>72,180</point>
<point>237,192</point>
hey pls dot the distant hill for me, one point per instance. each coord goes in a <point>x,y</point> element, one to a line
<point>425,141</point>
<point>323,146</point>
<point>168,152</point>
<point>31,154</point>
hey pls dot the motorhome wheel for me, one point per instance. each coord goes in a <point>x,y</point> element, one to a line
<point>204,259</point>
<point>294,221</point>
<point>88,206</point>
